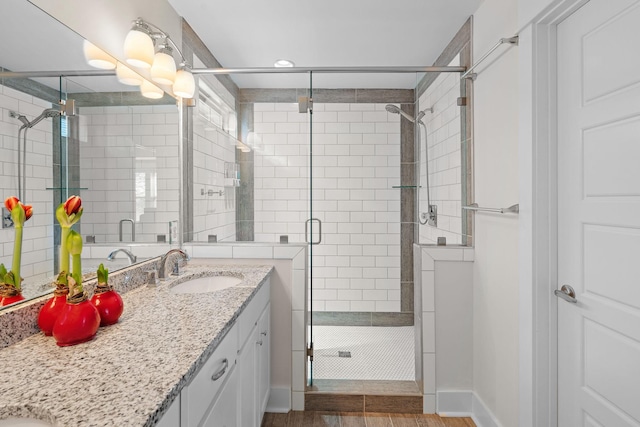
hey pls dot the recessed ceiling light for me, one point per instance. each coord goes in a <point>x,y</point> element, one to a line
<point>280,63</point>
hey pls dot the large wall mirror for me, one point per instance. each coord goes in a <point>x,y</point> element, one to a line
<point>119,152</point>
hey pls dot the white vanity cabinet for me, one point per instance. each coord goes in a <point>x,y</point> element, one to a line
<point>254,377</point>
<point>232,388</point>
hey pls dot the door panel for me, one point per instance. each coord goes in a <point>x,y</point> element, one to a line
<point>599,215</point>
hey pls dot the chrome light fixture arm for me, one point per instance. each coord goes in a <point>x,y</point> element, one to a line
<point>156,33</point>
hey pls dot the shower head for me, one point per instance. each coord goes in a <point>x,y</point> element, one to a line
<point>49,112</point>
<point>395,110</point>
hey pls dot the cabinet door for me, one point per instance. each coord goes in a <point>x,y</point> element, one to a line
<point>247,384</point>
<point>224,410</point>
<point>264,359</point>
<point>171,418</point>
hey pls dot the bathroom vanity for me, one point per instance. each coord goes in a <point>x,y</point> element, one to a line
<point>174,359</point>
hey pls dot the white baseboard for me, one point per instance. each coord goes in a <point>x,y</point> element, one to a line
<point>279,400</point>
<point>465,404</point>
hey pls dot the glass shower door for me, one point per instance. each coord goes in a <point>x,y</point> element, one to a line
<point>362,188</point>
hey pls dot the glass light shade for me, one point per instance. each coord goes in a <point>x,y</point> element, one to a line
<point>138,49</point>
<point>127,76</point>
<point>184,85</point>
<point>149,90</point>
<point>163,70</point>
<point>97,57</point>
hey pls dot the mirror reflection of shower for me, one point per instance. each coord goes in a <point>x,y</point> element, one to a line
<point>22,151</point>
<point>431,216</point>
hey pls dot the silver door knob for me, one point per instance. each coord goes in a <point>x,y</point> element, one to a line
<point>566,293</point>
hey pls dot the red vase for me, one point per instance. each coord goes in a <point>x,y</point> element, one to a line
<point>50,312</point>
<point>77,323</point>
<point>109,305</point>
<point>10,300</point>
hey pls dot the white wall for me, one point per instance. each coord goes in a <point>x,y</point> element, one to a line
<point>495,344</point>
<point>37,242</point>
<point>118,146</point>
<point>356,162</point>
<point>445,158</point>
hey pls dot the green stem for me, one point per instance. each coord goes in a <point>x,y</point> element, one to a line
<point>77,270</point>
<point>17,254</point>
<point>64,252</point>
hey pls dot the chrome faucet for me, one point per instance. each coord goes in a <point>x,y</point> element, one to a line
<point>127,252</point>
<point>133,228</point>
<point>163,261</point>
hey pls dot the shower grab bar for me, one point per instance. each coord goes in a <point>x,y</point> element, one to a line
<point>469,74</point>
<point>511,209</point>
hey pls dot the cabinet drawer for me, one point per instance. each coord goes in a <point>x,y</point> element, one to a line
<point>202,391</point>
<point>251,314</point>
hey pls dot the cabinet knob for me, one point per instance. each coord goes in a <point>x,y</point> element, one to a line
<point>264,334</point>
<point>259,342</point>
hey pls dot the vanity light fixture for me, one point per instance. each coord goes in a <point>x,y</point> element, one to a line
<point>163,70</point>
<point>97,57</point>
<point>127,76</point>
<point>283,63</point>
<point>138,45</point>
<point>184,85</point>
<point>151,91</point>
<point>160,58</point>
<point>147,46</point>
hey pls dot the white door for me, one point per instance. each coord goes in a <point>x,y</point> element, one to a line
<point>599,214</point>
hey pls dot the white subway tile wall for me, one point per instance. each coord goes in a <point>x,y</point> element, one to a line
<point>129,163</point>
<point>214,213</point>
<point>37,244</point>
<point>356,162</point>
<point>445,173</point>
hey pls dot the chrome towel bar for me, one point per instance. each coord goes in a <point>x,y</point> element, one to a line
<point>511,209</point>
<point>469,74</point>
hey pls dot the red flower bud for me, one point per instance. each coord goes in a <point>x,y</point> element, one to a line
<point>28,211</point>
<point>11,203</point>
<point>72,205</point>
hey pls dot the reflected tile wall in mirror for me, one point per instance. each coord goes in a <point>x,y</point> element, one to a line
<point>129,163</point>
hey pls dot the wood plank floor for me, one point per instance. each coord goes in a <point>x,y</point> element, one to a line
<point>359,419</point>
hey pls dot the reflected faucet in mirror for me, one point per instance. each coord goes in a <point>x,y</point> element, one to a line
<point>133,228</point>
<point>132,257</point>
<point>163,261</point>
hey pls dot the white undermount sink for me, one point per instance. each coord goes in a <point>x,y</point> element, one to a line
<point>203,285</point>
<point>23,422</point>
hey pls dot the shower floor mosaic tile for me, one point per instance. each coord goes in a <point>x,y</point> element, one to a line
<point>377,353</point>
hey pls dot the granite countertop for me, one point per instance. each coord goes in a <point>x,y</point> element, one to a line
<point>131,372</point>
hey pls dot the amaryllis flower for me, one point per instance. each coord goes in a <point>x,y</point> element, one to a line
<point>28,211</point>
<point>19,214</point>
<point>11,203</point>
<point>67,214</point>
<point>73,205</point>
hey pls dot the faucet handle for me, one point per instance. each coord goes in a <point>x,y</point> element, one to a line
<point>152,277</point>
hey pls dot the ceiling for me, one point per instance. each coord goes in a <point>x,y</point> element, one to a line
<point>255,33</point>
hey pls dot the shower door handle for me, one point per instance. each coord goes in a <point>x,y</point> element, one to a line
<point>306,230</point>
